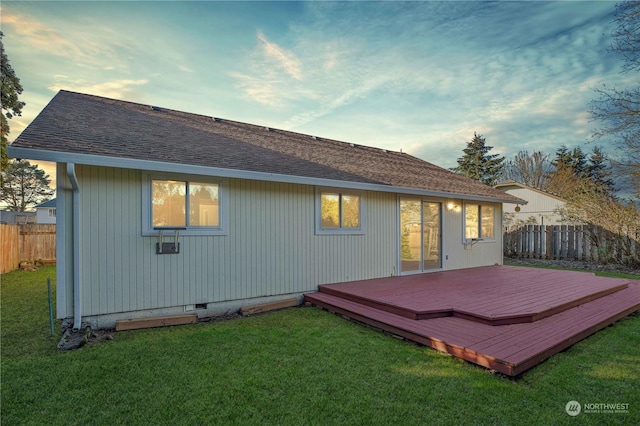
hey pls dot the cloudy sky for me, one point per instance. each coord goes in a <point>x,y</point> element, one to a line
<point>421,77</point>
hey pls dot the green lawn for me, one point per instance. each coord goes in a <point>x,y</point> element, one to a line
<point>297,366</point>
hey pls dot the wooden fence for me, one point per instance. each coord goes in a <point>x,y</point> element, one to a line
<point>579,242</point>
<point>27,242</point>
<point>9,242</point>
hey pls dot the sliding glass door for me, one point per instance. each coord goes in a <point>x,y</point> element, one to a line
<point>420,235</point>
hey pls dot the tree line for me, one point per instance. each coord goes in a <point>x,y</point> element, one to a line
<point>540,170</point>
<point>586,181</point>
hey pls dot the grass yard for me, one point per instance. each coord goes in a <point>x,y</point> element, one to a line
<point>296,366</point>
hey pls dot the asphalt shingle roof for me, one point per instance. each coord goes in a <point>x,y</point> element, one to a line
<point>86,124</point>
<point>50,203</point>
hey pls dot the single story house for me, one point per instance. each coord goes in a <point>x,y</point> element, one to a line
<point>541,209</point>
<point>46,212</point>
<point>161,212</point>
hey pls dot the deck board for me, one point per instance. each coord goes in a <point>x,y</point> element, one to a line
<point>510,348</point>
<point>492,294</point>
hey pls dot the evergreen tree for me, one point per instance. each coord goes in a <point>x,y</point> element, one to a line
<point>573,171</point>
<point>478,164</point>
<point>562,160</point>
<point>599,171</point>
<point>11,106</point>
<point>567,168</point>
<point>25,186</point>
<point>578,162</point>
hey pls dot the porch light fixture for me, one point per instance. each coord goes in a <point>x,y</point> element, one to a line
<point>517,209</point>
<point>451,205</point>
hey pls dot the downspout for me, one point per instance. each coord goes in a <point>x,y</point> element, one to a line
<point>77,296</point>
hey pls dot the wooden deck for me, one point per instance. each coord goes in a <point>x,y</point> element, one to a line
<point>505,318</point>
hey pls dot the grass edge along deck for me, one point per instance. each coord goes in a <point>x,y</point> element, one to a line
<point>509,349</point>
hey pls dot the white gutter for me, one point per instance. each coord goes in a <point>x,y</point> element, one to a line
<point>149,165</point>
<point>77,288</point>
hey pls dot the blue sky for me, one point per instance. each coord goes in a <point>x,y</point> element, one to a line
<point>421,77</point>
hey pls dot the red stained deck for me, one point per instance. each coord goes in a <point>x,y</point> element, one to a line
<point>505,318</point>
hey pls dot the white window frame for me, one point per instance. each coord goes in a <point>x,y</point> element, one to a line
<point>338,231</point>
<point>223,206</point>
<point>52,212</point>
<point>481,238</point>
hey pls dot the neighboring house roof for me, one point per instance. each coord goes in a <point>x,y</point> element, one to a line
<point>51,204</point>
<point>87,129</point>
<point>512,184</point>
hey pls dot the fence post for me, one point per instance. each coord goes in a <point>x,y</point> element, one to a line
<point>579,252</point>
<point>586,242</point>
<point>595,244</point>
<point>563,241</point>
<point>534,232</point>
<point>549,242</point>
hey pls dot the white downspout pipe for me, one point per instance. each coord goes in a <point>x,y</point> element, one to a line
<point>77,295</point>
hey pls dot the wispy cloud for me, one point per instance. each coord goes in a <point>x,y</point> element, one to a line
<point>87,44</point>
<point>336,101</point>
<point>272,75</point>
<point>43,37</point>
<point>119,89</point>
<point>258,89</point>
<point>339,70</point>
<point>280,57</point>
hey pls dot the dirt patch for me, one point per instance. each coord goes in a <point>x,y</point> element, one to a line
<point>97,336</point>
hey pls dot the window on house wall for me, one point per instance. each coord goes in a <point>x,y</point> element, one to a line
<point>339,212</point>
<point>183,203</point>
<point>479,221</point>
<point>52,212</point>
